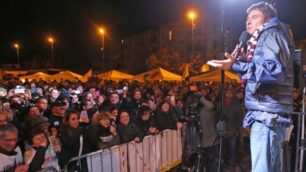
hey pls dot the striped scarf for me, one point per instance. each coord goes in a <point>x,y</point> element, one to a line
<point>252,43</point>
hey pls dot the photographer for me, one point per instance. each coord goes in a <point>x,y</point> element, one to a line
<point>201,135</point>
<point>233,118</point>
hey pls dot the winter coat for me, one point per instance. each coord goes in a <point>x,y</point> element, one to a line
<point>165,120</point>
<point>269,75</point>
<point>101,137</point>
<point>129,132</point>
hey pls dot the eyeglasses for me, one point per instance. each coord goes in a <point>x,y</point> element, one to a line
<point>10,140</point>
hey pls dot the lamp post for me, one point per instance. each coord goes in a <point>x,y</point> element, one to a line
<point>192,16</point>
<point>102,32</point>
<point>51,40</point>
<point>17,52</point>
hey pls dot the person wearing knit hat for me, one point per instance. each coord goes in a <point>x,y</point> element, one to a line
<point>56,115</point>
<point>41,123</point>
<point>64,94</point>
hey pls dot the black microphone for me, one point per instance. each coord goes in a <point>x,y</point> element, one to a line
<point>244,37</point>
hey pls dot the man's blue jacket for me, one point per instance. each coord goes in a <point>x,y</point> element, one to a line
<point>269,76</point>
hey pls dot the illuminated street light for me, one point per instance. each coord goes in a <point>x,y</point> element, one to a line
<point>192,15</point>
<point>102,32</point>
<point>51,40</point>
<point>17,52</point>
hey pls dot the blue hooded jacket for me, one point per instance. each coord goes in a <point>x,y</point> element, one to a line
<point>269,76</point>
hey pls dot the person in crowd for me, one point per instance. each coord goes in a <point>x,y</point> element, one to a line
<point>54,94</point>
<point>31,120</point>
<point>114,101</point>
<point>104,134</point>
<point>128,130</point>
<point>42,105</point>
<point>146,122</point>
<point>33,87</point>
<point>80,89</point>
<point>42,156</point>
<point>93,114</point>
<point>100,102</point>
<point>135,104</point>
<point>86,105</point>
<point>3,92</point>
<point>175,109</point>
<point>72,138</point>
<point>17,104</point>
<point>209,138</point>
<point>113,114</point>
<point>84,117</point>
<point>267,68</point>
<point>39,92</point>
<point>66,100</point>
<point>93,90</point>
<point>10,156</point>
<point>3,118</point>
<point>57,113</point>
<point>233,119</point>
<point>6,110</point>
<point>64,93</point>
<point>74,102</point>
<point>89,96</point>
<point>166,118</point>
<point>34,95</point>
<point>151,104</point>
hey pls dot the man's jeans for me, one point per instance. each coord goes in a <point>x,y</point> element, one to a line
<point>266,144</point>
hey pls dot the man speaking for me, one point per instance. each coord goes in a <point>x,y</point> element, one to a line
<point>268,71</point>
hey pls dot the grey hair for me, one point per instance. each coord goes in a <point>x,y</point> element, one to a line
<point>267,9</point>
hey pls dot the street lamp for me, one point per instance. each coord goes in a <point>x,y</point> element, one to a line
<point>102,32</point>
<point>51,40</point>
<point>17,52</point>
<point>192,16</point>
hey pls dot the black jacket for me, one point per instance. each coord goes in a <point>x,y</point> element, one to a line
<point>101,137</point>
<point>70,139</point>
<point>165,120</point>
<point>129,132</point>
<point>145,125</point>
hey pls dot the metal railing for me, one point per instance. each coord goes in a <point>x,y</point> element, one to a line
<point>155,153</point>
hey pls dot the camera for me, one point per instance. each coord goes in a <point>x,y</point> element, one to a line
<point>19,90</point>
<point>193,110</point>
<point>193,104</point>
<point>119,91</point>
<point>113,123</point>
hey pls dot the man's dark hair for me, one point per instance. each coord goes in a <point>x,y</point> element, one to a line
<point>41,98</point>
<point>35,132</point>
<point>7,128</point>
<point>267,9</point>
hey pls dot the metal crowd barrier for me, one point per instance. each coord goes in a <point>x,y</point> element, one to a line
<point>154,154</point>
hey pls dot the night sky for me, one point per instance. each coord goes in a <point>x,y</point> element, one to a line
<point>74,24</point>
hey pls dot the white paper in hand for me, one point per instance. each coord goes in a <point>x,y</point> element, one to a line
<point>29,155</point>
<point>213,64</point>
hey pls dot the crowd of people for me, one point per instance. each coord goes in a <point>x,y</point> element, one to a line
<point>43,125</point>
